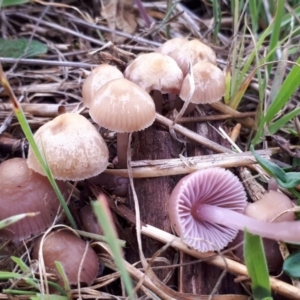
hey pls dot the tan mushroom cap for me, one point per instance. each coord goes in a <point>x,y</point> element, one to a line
<point>155,71</point>
<point>122,106</point>
<point>72,252</point>
<point>98,77</point>
<point>191,53</point>
<point>25,191</point>
<point>171,45</point>
<point>72,147</point>
<point>209,82</point>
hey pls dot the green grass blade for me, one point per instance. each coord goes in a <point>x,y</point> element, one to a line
<point>104,218</point>
<point>282,121</point>
<point>257,267</point>
<point>289,86</point>
<point>276,31</point>
<point>6,222</point>
<point>20,263</point>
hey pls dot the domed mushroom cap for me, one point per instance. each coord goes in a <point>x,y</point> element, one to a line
<point>98,77</point>
<point>210,84</point>
<point>155,71</point>
<point>122,106</point>
<point>215,186</point>
<point>69,250</point>
<point>270,206</point>
<point>72,147</point>
<point>23,191</point>
<point>171,45</point>
<point>191,53</point>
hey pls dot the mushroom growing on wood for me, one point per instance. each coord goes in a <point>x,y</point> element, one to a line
<point>97,78</point>
<point>71,146</point>
<point>206,210</point>
<point>122,106</point>
<point>23,191</point>
<point>77,258</point>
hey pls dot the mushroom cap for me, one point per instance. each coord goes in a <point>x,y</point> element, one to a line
<point>89,220</point>
<point>210,84</point>
<point>69,250</point>
<point>155,71</point>
<point>98,77</point>
<point>214,186</point>
<point>72,147</point>
<point>171,45</point>
<point>122,106</point>
<point>24,191</point>
<point>191,53</point>
<point>270,206</point>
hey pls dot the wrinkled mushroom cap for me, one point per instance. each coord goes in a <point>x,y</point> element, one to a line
<point>209,82</point>
<point>155,71</point>
<point>24,191</point>
<point>72,147</point>
<point>98,77</point>
<point>122,106</point>
<point>171,45</point>
<point>213,186</point>
<point>191,53</point>
<point>69,250</point>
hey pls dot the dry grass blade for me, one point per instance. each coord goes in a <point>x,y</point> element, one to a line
<point>185,165</point>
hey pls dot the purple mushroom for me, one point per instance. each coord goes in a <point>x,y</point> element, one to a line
<point>206,210</point>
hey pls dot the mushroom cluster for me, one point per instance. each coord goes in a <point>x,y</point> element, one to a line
<point>124,105</point>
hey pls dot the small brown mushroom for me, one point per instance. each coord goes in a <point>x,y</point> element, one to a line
<point>97,78</point>
<point>77,258</point>
<point>191,53</point>
<point>72,147</point>
<point>171,45</point>
<point>23,191</point>
<point>155,71</point>
<point>209,84</point>
<point>122,106</point>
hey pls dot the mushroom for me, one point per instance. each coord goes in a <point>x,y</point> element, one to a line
<point>171,45</point>
<point>122,106</point>
<point>23,191</point>
<point>191,53</point>
<point>272,207</point>
<point>156,72</point>
<point>209,84</point>
<point>71,146</point>
<point>98,77</point>
<point>75,255</point>
<point>206,210</point>
<point>89,220</point>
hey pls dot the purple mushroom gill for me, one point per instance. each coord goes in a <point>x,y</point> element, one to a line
<point>206,210</point>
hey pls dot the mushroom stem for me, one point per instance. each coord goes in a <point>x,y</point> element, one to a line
<point>284,231</point>
<point>122,145</point>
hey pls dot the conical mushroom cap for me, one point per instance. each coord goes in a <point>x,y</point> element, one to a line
<point>192,52</point>
<point>155,71</point>
<point>24,191</point>
<point>72,147</point>
<point>209,82</point>
<point>98,77</point>
<point>122,106</point>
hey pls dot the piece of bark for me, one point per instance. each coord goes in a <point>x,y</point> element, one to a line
<point>153,193</point>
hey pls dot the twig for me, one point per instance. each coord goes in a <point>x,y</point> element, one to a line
<point>234,267</point>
